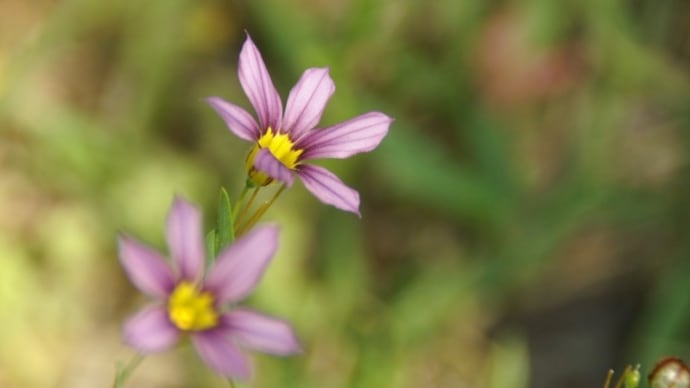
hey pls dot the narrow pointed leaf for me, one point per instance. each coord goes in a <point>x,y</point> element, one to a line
<point>224,228</point>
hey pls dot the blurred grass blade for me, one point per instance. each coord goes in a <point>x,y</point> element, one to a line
<point>420,170</point>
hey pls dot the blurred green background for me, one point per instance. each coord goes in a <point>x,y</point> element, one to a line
<point>525,223</point>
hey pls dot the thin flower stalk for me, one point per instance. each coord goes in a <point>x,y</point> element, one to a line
<point>259,212</point>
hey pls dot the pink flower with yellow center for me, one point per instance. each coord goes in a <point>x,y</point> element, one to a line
<point>190,301</point>
<point>284,141</point>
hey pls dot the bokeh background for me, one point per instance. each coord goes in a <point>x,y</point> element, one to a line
<point>525,223</point>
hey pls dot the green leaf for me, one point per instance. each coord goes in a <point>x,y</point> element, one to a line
<point>224,224</point>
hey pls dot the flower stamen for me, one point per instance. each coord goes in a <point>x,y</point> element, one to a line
<point>281,147</point>
<point>192,310</point>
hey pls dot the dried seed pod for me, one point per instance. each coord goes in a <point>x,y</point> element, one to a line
<point>670,372</point>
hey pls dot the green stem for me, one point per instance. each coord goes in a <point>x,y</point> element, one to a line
<point>122,375</point>
<point>621,379</point>
<point>236,209</point>
<point>245,209</point>
<point>609,377</point>
<point>260,212</point>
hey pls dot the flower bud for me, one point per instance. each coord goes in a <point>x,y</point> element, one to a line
<point>632,377</point>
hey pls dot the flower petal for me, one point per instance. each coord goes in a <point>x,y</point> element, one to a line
<point>307,100</point>
<point>360,134</point>
<point>269,165</point>
<point>150,331</point>
<point>260,332</point>
<point>215,348</point>
<point>329,189</point>
<point>238,120</point>
<point>240,266</point>
<point>147,269</point>
<point>185,239</point>
<point>258,86</point>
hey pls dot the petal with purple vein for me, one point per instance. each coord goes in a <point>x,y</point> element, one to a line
<point>360,134</point>
<point>269,165</point>
<point>307,101</point>
<point>238,120</point>
<point>328,188</point>
<point>258,86</point>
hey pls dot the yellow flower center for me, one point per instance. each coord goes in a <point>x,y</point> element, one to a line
<point>282,148</point>
<point>190,309</point>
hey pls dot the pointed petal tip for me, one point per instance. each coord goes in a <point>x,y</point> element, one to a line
<point>122,237</point>
<point>182,210</point>
<point>329,189</point>
<point>307,101</point>
<point>354,209</point>
<point>248,42</point>
<point>179,201</point>
<point>258,86</point>
<point>384,118</point>
<point>326,70</point>
<point>260,332</point>
<point>145,267</point>
<point>247,37</point>
<point>215,102</point>
<point>238,120</point>
<point>390,119</point>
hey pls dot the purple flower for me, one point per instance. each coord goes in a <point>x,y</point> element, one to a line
<point>190,302</point>
<point>283,141</point>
